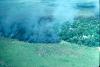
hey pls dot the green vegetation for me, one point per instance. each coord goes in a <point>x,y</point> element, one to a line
<point>83,31</point>
<point>14,53</point>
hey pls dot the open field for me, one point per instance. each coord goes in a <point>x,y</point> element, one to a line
<point>15,53</point>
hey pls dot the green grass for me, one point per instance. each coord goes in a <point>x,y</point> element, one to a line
<point>14,53</point>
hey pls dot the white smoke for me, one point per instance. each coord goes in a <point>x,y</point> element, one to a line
<point>34,20</point>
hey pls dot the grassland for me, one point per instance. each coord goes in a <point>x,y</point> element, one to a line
<point>15,53</point>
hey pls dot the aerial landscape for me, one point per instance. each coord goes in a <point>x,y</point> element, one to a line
<point>49,33</point>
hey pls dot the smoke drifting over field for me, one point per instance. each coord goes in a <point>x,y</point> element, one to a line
<point>34,21</point>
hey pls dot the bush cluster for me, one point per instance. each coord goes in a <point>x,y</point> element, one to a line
<point>82,31</point>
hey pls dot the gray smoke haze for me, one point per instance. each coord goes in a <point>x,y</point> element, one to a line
<point>35,21</point>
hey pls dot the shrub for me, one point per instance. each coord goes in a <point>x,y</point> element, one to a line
<point>83,31</point>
